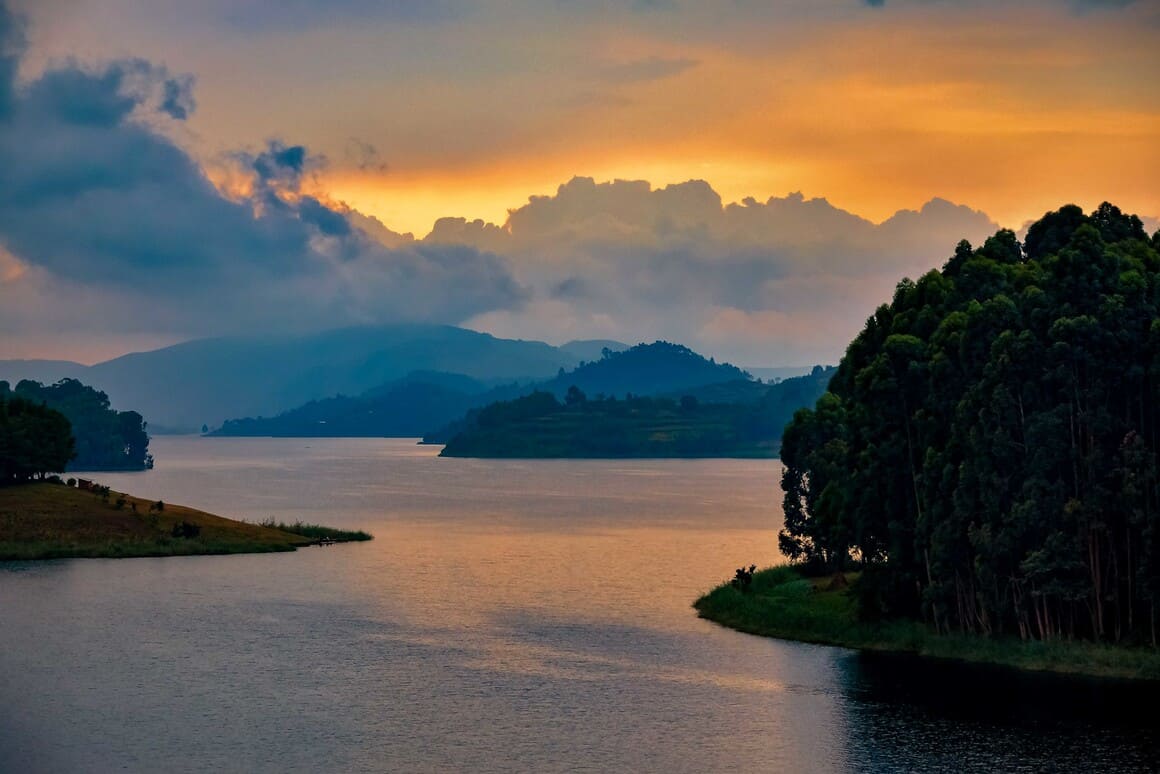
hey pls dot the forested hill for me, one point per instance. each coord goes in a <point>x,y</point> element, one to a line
<point>405,408</point>
<point>540,425</point>
<point>105,439</point>
<point>646,369</point>
<point>424,401</point>
<point>987,452</point>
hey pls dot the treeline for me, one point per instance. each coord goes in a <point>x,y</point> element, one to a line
<point>105,439</point>
<point>987,451</point>
<point>34,439</point>
<point>540,425</point>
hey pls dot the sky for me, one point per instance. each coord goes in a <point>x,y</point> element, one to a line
<point>749,178</point>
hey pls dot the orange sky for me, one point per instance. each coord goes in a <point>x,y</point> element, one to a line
<point>1013,109</point>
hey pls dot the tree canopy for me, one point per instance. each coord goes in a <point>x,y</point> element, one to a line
<point>987,450</point>
<point>34,440</point>
<point>105,439</point>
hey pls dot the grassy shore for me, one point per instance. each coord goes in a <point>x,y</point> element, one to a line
<point>50,521</point>
<point>782,603</point>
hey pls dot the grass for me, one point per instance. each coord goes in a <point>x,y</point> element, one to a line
<point>50,521</point>
<point>316,531</point>
<point>782,603</point>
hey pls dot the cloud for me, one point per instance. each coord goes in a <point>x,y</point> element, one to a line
<point>788,280</point>
<point>107,224</point>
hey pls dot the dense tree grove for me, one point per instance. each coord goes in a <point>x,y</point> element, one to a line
<point>987,451</point>
<point>34,440</point>
<point>106,439</point>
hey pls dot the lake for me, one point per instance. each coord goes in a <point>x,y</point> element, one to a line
<point>509,616</point>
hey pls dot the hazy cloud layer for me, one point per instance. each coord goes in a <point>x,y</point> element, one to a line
<point>105,223</point>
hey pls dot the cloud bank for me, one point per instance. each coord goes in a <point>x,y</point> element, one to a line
<point>107,224</point>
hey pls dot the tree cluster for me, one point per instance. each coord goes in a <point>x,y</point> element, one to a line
<point>105,439</point>
<point>34,440</point>
<point>987,451</point>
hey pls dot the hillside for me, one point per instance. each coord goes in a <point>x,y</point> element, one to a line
<point>539,425</point>
<point>408,407</point>
<point>207,381</point>
<point>424,401</point>
<point>646,369</point>
<point>46,520</point>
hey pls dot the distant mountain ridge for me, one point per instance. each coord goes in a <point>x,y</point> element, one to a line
<point>422,402</point>
<point>207,381</point>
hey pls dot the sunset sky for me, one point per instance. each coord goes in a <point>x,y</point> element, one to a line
<point>254,136</point>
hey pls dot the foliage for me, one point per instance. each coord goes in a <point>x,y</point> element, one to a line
<point>34,440</point>
<point>987,451</point>
<point>316,531</point>
<point>743,578</point>
<point>782,602</point>
<point>105,439</point>
<point>539,425</point>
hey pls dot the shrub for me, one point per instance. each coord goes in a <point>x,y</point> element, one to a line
<point>183,529</point>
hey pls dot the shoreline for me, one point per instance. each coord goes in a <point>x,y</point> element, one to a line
<point>46,520</point>
<point>783,604</point>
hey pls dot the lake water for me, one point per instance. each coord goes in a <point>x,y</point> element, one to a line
<point>509,616</point>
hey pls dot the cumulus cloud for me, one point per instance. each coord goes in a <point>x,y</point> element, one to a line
<point>787,280</point>
<point>106,223</point>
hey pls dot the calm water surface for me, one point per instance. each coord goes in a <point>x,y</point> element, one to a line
<point>509,616</point>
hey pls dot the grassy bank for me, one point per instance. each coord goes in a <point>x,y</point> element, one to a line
<point>781,603</point>
<point>49,521</point>
<point>316,532</point>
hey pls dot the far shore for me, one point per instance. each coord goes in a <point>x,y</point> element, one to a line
<point>46,520</point>
<point>782,603</point>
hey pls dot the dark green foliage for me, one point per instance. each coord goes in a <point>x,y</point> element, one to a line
<point>988,448</point>
<point>538,425</point>
<point>648,369</point>
<point>34,440</point>
<point>316,531</point>
<point>105,439</point>
<point>743,578</point>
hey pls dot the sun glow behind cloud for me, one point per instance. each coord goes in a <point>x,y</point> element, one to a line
<point>469,110</point>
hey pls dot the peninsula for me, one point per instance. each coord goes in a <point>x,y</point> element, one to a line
<point>46,520</point>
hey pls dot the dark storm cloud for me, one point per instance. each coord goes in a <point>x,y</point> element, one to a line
<point>99,210</point>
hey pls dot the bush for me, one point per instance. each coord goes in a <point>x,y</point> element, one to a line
<point>183,529</point>
<point>743,578</point>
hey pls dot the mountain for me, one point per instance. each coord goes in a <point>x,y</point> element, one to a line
<point>408,407</point>
<point>43,371</point>
<point>646,369</point>
<point>207,381</point>
<point>539,425</point>
<point>586,350</point>
<point>424,401</point>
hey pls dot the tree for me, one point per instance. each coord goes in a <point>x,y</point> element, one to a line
<point>989,445</point>
<point>34,440</point>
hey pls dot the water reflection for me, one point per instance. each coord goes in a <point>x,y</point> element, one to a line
<point>509,616</point>
<point>909,714</point>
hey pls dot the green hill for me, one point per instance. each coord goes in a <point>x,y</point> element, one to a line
<point>539,425</point>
